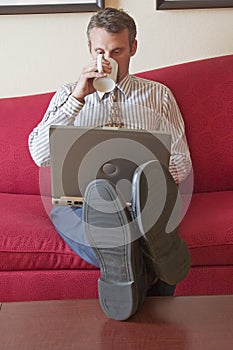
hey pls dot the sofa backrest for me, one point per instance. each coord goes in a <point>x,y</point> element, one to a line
<point>18,116</point>
<point>204,92</point>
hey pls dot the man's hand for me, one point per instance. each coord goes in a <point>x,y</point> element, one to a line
<point>84,84</point>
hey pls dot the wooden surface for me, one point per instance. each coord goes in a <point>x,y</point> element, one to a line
<point>171,323</point>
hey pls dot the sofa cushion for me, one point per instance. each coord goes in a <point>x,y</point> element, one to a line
<point>208,228</point>
<point>28,240</point>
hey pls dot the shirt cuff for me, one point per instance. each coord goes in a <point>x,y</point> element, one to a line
<point>73,106</point>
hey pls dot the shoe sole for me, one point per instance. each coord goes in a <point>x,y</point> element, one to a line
<point>167,250</point>
<point>118,295</point>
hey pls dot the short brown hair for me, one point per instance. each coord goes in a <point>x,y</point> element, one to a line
<point>113,21</point>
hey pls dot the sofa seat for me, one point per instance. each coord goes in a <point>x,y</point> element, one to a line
<point>208,228</point>
<point>36,246</point>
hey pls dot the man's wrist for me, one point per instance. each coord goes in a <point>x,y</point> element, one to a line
<point>79,99</point>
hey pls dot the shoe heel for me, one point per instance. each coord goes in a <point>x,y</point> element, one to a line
<point>118,301</point>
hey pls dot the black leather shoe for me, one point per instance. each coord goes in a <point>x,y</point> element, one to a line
<point>156,209</point>
<point>111,232</point>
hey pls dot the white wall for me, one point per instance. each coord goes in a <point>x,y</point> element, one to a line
<point>38,53</point>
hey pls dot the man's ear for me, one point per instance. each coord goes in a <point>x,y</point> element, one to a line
<point>134,48</point>
<point>89,46</point>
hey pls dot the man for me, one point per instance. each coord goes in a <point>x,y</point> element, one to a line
<point>135,259</point>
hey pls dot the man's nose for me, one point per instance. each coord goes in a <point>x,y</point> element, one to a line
<point>107,54</point>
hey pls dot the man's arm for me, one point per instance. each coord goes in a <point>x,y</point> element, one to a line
<point>62,110</point>
<point>172,122</point>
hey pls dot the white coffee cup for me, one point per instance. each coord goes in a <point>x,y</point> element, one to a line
<point>108,83</point>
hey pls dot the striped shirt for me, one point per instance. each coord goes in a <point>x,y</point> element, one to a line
<point>143,104</point>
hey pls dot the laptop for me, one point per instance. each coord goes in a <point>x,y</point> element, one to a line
<point>82,154</point>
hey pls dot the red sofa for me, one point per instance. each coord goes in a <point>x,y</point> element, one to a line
<point>35,264</point>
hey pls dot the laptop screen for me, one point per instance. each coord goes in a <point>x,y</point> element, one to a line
<point>80,155</point>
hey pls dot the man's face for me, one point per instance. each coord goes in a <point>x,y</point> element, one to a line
<point>115,46</point>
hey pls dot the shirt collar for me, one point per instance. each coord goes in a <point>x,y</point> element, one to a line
<point>124,86</point>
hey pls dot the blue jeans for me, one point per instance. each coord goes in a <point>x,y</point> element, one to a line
<point>68,223</point>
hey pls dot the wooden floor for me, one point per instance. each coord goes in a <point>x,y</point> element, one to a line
<point>171,323</point>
